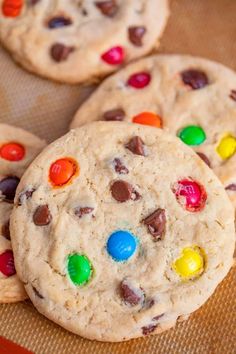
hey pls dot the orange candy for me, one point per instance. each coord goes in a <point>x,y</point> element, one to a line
<point>62,170</point>
<point>12,8</point>
<point>12,152</point>
<point>148,118</point>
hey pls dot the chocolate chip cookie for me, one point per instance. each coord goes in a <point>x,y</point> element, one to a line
<point>192,98</point>
<point>126,231</point>
<point>17,149</point>
<point>76,41</point>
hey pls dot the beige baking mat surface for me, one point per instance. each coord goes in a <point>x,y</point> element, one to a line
<point>199,27</point>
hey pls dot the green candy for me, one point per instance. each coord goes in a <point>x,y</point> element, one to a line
<point>79,269</point>
<point>192,135</point>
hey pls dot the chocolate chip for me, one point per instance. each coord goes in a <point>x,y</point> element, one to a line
<point>108,8</point>
<point>148,329</point>
<point>149,302</point>
<point>136,146</point>
<point>37,293</point>
<point>42,216</point>
<point>197,79</point>
<point>6,230</point>
<point>8,187</point>
<point>83,211</point>
<point>120,167</point>
<point>59,21</point>
<point>231,187</point>
<point>136,34</point>
<point>123,191</point>
<point>204,158</point>
<point>131,295</point>
<point>233,95</point>
<point>156,223</point>
<point>33,2</point>
<point>156,318</point>
<point>60,52</point>
<point>117,114</point>
<point>23,196</point>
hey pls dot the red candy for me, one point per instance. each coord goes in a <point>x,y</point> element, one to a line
<point>190,194</point>
<point>139,80</point>
<point>12,152</point>
<point>7,266</point>
<point>62,170</point>
<point>114,56</point>
<point>12,8</point>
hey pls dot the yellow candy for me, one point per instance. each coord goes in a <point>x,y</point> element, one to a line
<point>190,264</point>
<point>226,147</point>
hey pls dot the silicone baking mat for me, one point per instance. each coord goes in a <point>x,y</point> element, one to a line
<point>200,27</point>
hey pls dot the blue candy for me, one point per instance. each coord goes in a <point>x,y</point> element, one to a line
<point>121,245</point>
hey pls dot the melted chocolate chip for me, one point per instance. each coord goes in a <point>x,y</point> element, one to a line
<point>156,224</point>
<point>108,8</point>
<point>23,196</point>
<point>8,187</point>
<point>60,52</point>
<point>59,21</point>
<point>37,293</point>
<point>117,114</point>
<point>231,187</point>
<point>123,191</point>
<point>149,302</point>
<point>136,146</point>
<point>197,79</point>
<point>6,230</point>
<point>233,95</point>
<point>129,294</point>
<point>42,216</point>
<point>136,34</point>
<point>33,2</point>
<point>80,212</point>
<point>156,318</point>
<point>204,158</point>
<point>148,329</point>
<point>120,167</point>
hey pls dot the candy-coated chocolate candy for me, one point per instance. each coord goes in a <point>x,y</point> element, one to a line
<point>190,194</point>
<point>7,266</point>
<point>12,8</point>
<point>62,170</point>
<point>226,147</point>
<point>121,245</point>
<point>139,80</point>
<point>114,56</point>
<point>79,268</point>
<point>12,152</point>
<point>148,118</point>
<point>190,263</point>
<point>192,135</point>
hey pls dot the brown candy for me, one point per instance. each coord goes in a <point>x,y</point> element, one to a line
<point>136,34</point>
<point>196,79</point>
<point>42,216</point>
<point>231,187</point>
<point>60,52</point>
<point>204,158</point>
<point>8,187</point>
<point>131,296</point>
<point>108,8</point>
<point>117,114</point>
<point>233,95</point>
<point>6,230</point>
<point>156,223</point>
<point>136,146</point>
<point>123,191</point>
<point>80,212</point>
<point>120,167</point>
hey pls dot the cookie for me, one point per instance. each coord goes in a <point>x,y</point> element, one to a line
<point>80,40</point>
<point>192,98</point>
<point>17,149</point>
<point>126,232</point>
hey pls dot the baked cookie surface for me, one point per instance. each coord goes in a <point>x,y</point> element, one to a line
<point>190,97</point>
<point>17,149</point>
<point>75,41</point>
<point>119,230</point>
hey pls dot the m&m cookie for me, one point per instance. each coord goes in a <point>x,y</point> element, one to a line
<point>123,230</point>
<point>17,150</point>
<point>192,98</point>
<point>76,41</point>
